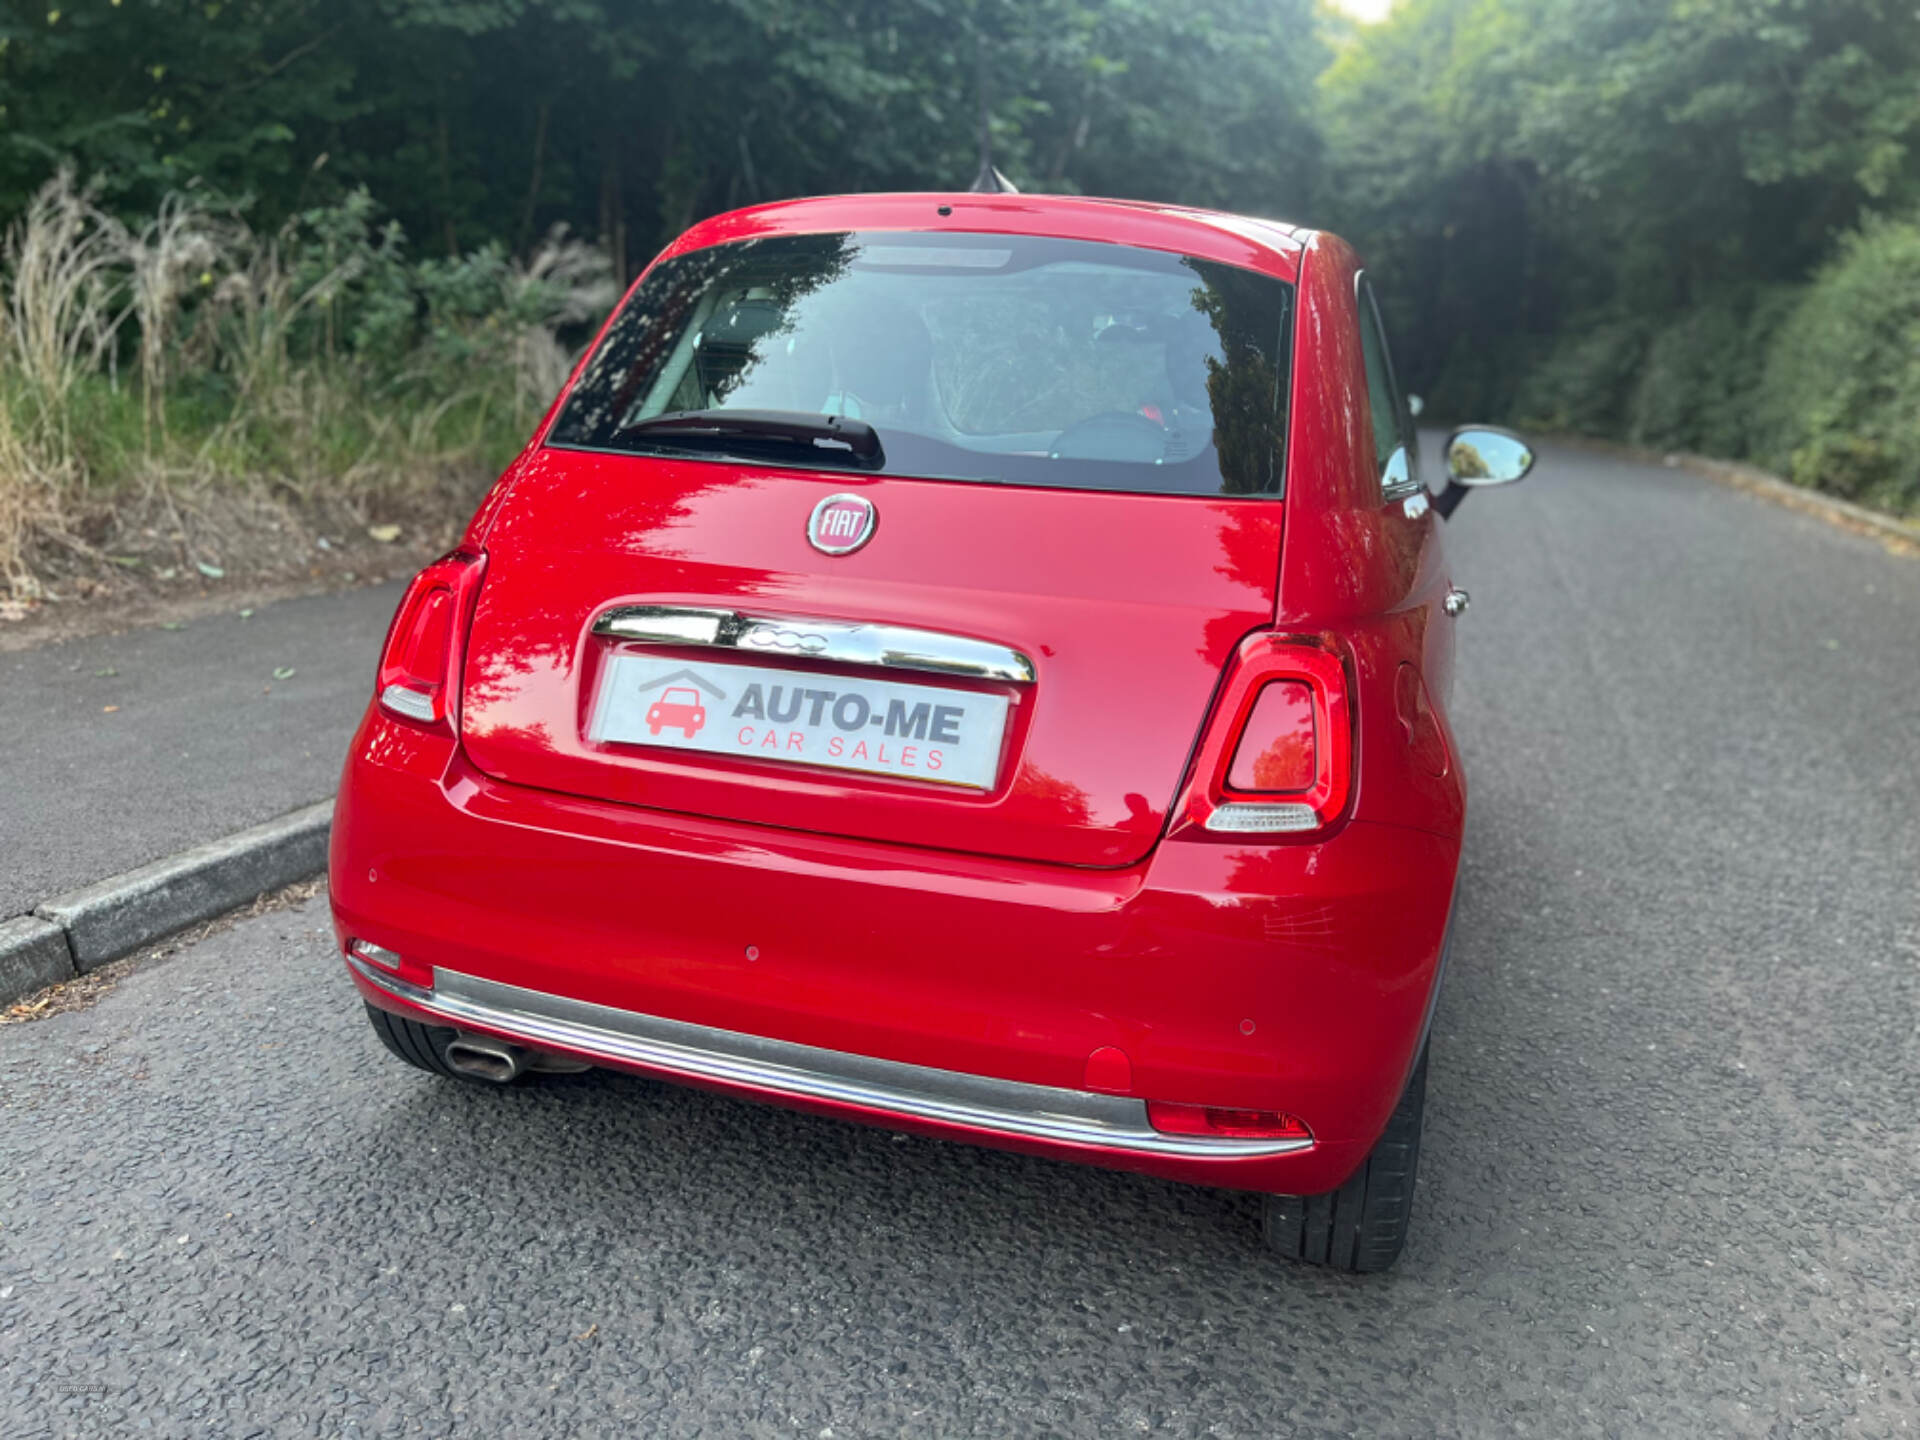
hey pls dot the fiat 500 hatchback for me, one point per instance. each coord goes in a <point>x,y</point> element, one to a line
<point>975,664</point>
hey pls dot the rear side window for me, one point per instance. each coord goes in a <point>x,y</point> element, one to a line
<point>997,358</point>
<point>1393,441</point>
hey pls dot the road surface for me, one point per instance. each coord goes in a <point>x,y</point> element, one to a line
<point>1671,1183</point>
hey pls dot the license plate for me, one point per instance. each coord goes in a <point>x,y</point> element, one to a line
<point>882,727</point>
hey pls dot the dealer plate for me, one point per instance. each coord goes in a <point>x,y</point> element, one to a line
<point>881,727</point>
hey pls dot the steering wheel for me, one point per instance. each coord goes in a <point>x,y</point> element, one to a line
<point>1112,435</point>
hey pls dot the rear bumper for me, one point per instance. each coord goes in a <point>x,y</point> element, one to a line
<point>701,1054</point>
<point>947,994</point>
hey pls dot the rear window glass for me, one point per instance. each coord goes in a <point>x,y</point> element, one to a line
<point>994,358</point>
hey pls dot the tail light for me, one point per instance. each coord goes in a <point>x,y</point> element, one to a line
<point>1173,1119</point>
<point>1278,757</point>
<point>420,668</point>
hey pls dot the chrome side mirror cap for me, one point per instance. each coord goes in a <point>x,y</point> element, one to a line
<point>1480,455</point>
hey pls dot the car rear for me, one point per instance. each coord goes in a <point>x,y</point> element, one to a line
<point>1008,814</point>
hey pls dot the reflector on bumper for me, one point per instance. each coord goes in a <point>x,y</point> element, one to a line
<point>1175,1119</point>
<point>378,954</point>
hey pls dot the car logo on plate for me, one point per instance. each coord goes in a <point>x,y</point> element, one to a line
<point>841,524</point>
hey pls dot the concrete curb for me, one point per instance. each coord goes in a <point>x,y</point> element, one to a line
<point>116,917</point>
<point>33,955</point>
<point>1901,534</point>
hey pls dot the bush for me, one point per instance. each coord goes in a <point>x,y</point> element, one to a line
<point>1839,401</point>
<point>1697,387</point>
<point>319,361</point>
<point>1582,380</point>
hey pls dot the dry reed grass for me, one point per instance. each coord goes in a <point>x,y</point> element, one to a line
<point>105,483</point>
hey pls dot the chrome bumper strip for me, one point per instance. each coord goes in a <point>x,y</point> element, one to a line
<point>1008,1107</point>
<point>849,642</point>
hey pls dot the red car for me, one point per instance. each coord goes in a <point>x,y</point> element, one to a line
<point>1074,634</point>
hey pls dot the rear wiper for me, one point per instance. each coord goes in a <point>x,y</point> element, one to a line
<point>826,437</point>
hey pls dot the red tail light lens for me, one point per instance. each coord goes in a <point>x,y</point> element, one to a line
<point>1277,757</point>
<point>419,670</point>
<point>1275,754</point>
<point>1171,1119</point>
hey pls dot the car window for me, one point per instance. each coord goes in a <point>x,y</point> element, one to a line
<point>1393,442</point>
<point>1016,359</point>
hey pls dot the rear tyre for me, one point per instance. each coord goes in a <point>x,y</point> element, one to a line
<point>1362,1226</point>
<point>422,1046</point>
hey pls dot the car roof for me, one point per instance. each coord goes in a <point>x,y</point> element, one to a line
<point>1270,246</point>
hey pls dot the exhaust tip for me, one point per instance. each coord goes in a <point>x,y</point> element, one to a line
<point>485,1059</point>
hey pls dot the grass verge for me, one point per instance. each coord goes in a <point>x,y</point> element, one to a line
<point>184,400</point>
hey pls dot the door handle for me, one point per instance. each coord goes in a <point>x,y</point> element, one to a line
<point>1456,602</point>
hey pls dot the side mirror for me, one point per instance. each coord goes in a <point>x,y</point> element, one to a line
<point>1481,455</point>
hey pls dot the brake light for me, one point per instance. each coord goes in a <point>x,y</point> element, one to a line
<point>1277,758</point>
<point>420,667</point>
<point>1173,1119</point>
<point>1276,752</point>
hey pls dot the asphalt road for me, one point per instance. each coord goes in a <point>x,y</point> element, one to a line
<point>121,749</point>
<point>1670,1184</point>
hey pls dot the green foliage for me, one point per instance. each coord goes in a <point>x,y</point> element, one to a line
<point>492,120</point>
<point>1581,380</point>
<point>1537,160</point>
<point>320,360</point>
<point>1696,389</point>
<point>1839,406</point>
<point>1593,214</point>
<point>154,93</point>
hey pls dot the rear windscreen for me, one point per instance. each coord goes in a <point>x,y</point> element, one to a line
<point>997,358</point>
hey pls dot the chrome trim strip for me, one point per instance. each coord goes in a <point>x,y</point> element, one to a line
<point>700,1052</point>
<point>666,624</point>
<point>846,641</point>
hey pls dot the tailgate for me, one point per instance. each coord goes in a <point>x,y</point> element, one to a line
<point>1127,606</point>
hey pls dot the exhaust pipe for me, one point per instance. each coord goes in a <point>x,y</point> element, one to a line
<point>486,1059</point>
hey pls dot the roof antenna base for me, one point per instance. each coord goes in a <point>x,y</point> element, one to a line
<point>991,182</point>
